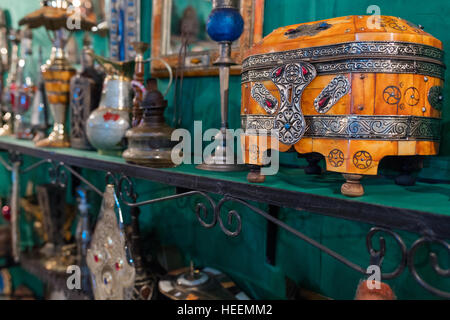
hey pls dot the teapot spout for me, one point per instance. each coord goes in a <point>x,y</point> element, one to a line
<point>120,69</point>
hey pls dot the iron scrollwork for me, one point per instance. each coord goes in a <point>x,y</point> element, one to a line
<point>434,263</point>
<point>110,178</point>
<point>377,256</point>
<point>201,208</point>
<point>125,189</point>
<point>232,215</point>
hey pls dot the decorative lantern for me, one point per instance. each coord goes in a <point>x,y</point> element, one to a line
<point>107,257</point>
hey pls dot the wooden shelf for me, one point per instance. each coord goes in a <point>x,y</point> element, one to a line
<point>423,208</point>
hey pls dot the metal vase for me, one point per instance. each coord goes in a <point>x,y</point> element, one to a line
<point>57,75</point>
<point>107,125</point>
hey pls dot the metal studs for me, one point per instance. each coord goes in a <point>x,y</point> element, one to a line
<point>361,108</point>
<point>425,79</point>
<point>424,109</point>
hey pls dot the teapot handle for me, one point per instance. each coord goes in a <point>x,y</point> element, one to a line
<point>169,68</point>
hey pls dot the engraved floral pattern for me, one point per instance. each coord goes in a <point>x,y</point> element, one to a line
<point>264,98</point>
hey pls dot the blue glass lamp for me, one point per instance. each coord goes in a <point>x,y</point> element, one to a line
<point>224,25</point>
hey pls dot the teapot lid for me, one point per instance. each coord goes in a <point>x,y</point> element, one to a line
<point>153,97</point>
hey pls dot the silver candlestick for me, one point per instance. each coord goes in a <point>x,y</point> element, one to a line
<point>225,24</point>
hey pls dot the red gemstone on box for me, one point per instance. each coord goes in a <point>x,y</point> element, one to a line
<point>96,258</point>
<point>269,104</point>
<point>323,101</point>
<point>278,72</point>
<point>305,71</point>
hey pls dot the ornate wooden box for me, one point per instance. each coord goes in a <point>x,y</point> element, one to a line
<point>354,89</point>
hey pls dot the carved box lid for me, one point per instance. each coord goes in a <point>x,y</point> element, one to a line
<point>382,37</point>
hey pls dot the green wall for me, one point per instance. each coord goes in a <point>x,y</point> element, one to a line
<point>243,257</point>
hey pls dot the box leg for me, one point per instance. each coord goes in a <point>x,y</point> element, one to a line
<point>352,187</point>
<point>409,166</point>
<point>255,175</point>
<point>313,163</point>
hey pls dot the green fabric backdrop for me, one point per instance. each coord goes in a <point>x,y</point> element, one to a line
<point>243,257</point>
